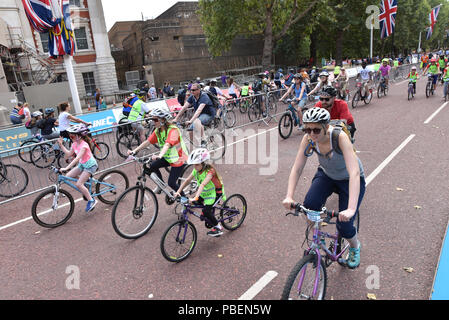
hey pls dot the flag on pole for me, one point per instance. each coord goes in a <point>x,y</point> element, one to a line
<point>52,16</point>
<point>387,17</point>
<point>432,20</point>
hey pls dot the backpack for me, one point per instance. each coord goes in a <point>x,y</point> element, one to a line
<point>181,96</point>
<point>213,98</point>
<point>339,126</point>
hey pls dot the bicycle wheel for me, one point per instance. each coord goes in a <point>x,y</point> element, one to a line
<point>285,126</point>
<point>428,89</point>
<point>100,150</point>
<point>116,178</point>
<point>13,180</point>
<point>410,93</point>
<point>43,155</point>
<point>368,99</point>
<point>216,144</point>
<point>25,149</point>
<point>356,99</point>
<point>126,142</point>
<point>342,243</point>
<point>229,119</point>
<point>272,105</point>
<point>379,91</point>
<point>192,187</point>
<point>51,210</point>
<point>244,106</point>
<point>178,241</point>
<point>235,204</point>
<point>134,212</point>
<point>385,90</point>
<point>300,284</point>
<point>254,113</point>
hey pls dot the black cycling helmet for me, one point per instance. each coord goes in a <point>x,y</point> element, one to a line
<point>329,91</point>
<point>49,111</point>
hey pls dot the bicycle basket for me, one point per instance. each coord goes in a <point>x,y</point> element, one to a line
<point>314,216</point>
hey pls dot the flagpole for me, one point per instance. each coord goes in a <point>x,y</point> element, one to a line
<point>72,83</point>
<point>371,42</point>
<point>419,43</point>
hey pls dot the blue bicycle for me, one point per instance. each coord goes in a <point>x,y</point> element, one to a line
<point>54,207</point>
<point>288,120</point>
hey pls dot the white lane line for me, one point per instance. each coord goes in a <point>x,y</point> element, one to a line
<point>254,135</point>
<point>259,285</point>
<point>29,218</point>
<point>435,113</point>
<point>388,159</point>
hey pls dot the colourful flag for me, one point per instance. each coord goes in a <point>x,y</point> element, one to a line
<point>432,20</point>
<point>387,16</point>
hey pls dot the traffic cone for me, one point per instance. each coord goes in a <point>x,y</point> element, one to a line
<point>113,102</point>
<point>88,107</point>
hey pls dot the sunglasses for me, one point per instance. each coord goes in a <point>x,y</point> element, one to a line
<point>314,130</point>
<point>325,99</point>
<point>194,90</point>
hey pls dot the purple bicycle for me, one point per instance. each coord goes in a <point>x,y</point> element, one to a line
<point>308,279</point>
<point>180,238</point>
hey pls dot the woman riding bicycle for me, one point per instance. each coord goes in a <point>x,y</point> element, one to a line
<point>87,165</point>
<point>339,173</point>
<point>173,151</point>
<point>210,187</point>
<point>343,80</point>
<point>299,87</point>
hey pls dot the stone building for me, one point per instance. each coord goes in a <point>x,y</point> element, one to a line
<point>24,54</point>
<point>172,47</point>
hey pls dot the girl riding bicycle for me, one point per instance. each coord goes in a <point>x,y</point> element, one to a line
<point>87,165</point>
<point>210,187</point>
<point>341,173</point>
<point>173,151</point>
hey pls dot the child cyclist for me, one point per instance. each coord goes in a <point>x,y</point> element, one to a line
<point>413,76</point>
<point>85,163</point>
<point>210,187</point>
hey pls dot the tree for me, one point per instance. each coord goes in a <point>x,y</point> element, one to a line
<point>223,20</point>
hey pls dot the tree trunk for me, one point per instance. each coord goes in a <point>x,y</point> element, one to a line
<point>339,47</point>
<point>268,42</point>
<point>313,49</point>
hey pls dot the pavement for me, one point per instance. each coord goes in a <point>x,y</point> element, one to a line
<point>403,222</point>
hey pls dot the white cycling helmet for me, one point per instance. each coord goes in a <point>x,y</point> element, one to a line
<point>36,114</point>
<point>161,112</point>
<point>78,129</point>
<point>324,74</point>
<point>198,156</point>
<point>316,115</point>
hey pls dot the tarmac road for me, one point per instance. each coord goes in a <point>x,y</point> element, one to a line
<point>38,263</point>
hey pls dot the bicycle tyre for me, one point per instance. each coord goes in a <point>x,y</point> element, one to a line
<point>355,100</point>
<point>272,105</point>
<point>254,113</point>
<point>177,227</point>
<point>244,106</point>
<point>126,142</point>
<point>15,178</point>
<point>296,272</point>
<point>229,119</point>
<point>134,216</point>
<point>105,176</point>
<point>100,151</point>
<point>428,88</point>
<point>286,121</point>
<point>37,216</point>
<point>410,94</point>
<point>370,96</point>
<point>379,91</point>
<point>230,224</point>
<point>43,156</point>
<point>216,148</point>
<point>22,153</point>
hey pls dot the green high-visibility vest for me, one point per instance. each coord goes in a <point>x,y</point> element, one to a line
<point>396,63</point>
<point>337,70</point>
<point>245,90</point>
<point>209,194</point>
<point>172,154</point>
<point>376,67</point>
<point>135,111</point>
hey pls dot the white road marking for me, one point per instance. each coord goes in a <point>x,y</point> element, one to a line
<point>259,285</point>
<point>435,113</point>
<point>388,159</point>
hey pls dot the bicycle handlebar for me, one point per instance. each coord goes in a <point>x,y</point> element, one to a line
<point>299,208</point>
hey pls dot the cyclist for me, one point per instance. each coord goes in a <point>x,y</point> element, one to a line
<point>338,108</point>
<point>48,123</point>
<point>173,151</point>
<point>64,119</point>
<point>339,173</point>
<point>288,79</point>
<point>32,124</point>
<point>445,81</point>
<point>210,187</point>
<point>413,76</point>
<point>85,163</point>
<point>442,64</point>
<point>299,88</point>
<point>139,110</point>
<point>365,75</point>
<point>204,111</point>
<point>258,88</point>
<point>343,81</point>
<point>278,77</point>
<point>433,69</point>
<point>324,81</point>
<point>384,70</point>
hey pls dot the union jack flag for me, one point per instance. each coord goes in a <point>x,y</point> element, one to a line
<point>387,16</point>
<point>432,20</point>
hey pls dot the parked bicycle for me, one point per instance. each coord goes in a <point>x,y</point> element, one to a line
<point>13,180</point>
<point>54,207</point>
<point>289,119</point>
<point>136,209</point>
<point>308,278</point>
<point>180,238</point>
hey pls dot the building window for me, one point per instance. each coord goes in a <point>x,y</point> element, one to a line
<point>44,41</point>
<point>175,37</point>
<point>89,83</point>
<point>76,3</point>
<point>81,39</point>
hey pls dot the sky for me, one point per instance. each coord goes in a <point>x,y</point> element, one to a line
<point>128,10</point>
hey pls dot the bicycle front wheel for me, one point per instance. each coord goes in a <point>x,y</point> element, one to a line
<point>285,126</point>
<point>216,144</point>
<point>234,212</point>
<point>356,99</point>
<point>13,180</point>
<point>178,241</point>
<point>254,113</point>
<point>229,119</point>
<point>43,155</point>
<point>120,183</point>
<point>100,151</point>
<point>126,142</point>
<point>51,209</point>
<point>25,149</point>
<point>134,212</point>
<point>301,283</point>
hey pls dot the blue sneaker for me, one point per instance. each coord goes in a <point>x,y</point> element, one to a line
<point>90,205</point>
<point>354,257</point>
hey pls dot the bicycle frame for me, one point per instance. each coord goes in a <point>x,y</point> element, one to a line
<point>188,209</point>
<point>89,183</point>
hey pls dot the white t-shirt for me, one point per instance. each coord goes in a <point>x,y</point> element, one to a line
<point>64,121</point>
<point>26,113</point>
<point>364,73</point>
<point>231,89</point>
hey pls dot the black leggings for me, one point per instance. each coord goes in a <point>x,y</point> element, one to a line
<point>175,172</point>
<point>208,210</point>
